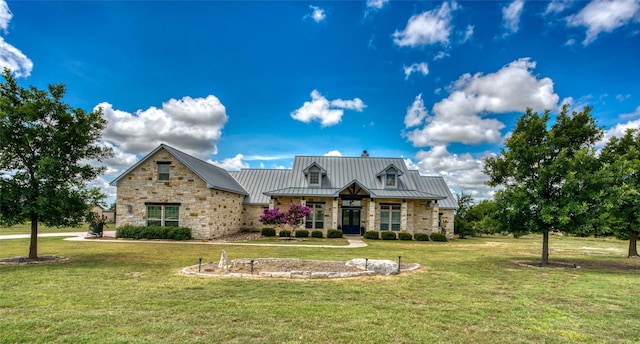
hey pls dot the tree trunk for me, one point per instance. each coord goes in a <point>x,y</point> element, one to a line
<point>633,239</point>
<point>545,248</point>
<point>33,244</point>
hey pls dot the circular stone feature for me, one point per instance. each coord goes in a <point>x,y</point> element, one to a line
<point>294,268</point>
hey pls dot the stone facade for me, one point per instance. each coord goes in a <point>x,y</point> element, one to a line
<point>207,212</point>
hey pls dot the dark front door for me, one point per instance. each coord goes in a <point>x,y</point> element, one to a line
<point>350,221</point>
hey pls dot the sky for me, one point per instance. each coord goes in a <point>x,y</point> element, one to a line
<point>251,84</point>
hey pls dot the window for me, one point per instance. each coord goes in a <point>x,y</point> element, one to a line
<point>315,220</point>
<point>390,217</point>
<point>163,215</point>
<point>163,171</point>
<point>314,178</point>
<point>351,203</point>
<point>390,180</point>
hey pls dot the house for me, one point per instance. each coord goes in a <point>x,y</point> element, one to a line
<point>170,188</point>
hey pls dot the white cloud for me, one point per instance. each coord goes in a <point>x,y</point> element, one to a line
<point>416,113</point>
<point>622,97</point>
<point>333,153</point>
<point>317,14</point>
<point>619,130</point>
<point>328,112</point>
<point>440,55</point>
<point>460,117</point>
<point>421,68</point>
<point>635,113</point>
<point>193,125</point>
<point>376,4</point>
<point>468,33</point>
<point>463,173</point>
<point>5,16</point>
<point>231,164</point>
<point>557,6</point>
<point>10,56</point>
<point>427,28</point>
<point>604,16</point>
<point>511,16</point>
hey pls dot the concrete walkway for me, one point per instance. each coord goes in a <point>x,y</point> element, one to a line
<point>355,241</point>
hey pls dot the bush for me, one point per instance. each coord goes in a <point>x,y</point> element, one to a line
<point>372,235</point>
<point>438,237</point>
<point>387,235</point>
<point>268,232</point>
<point>285,233</point>
<point>302,233</point>
<point>317,234</point>
<point>405,236</point>
<point>421,236</point>
<point>153,232</point>
<point>334,233</point>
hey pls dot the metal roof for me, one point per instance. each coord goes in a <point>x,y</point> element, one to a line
<point>257,181</point>
<point>438,186</point>
<point>214,176</point>
<point>342,172</point>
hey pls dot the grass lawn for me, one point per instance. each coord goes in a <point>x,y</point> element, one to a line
<point>26,229</point>
<point>468,291</point>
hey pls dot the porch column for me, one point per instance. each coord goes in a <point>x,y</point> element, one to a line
<point>334,214</point>
<point>272,203</point>
<point>435,217</point>
<point>403,215</point>
<point>372,215</point>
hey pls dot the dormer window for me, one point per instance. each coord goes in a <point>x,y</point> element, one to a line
<point>390,179</point>
<point>314,175</point>
<point>314,178</point>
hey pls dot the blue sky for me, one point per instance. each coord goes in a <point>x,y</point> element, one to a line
<point>253,83</point>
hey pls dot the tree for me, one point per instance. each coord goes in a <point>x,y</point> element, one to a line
<point>294,217</point>
<point>45,146</point>
<point>544,172</point>
<point>463,225</point>
<point>272,217</point>
<point>482,217</point>
<point>620,174</point>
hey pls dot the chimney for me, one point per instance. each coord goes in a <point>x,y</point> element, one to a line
<point>365,154</point>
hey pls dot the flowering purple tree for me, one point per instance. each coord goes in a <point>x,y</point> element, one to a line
<point>272,217</point>
<point>295,215</point>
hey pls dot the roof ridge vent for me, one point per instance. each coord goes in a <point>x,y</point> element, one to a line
<point>364,154</point>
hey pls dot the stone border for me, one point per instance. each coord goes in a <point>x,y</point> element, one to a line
<point>292,274</point>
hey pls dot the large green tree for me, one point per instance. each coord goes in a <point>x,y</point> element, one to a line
<point>544,170</point>
<point>463,225</point>
<point>45,149</point>
<point>620,175</point>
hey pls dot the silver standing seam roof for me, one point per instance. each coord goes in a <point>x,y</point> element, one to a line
<point>337,174</point>
<point>214,176</point>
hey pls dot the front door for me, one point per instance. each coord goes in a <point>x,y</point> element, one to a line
<point>350,221</point>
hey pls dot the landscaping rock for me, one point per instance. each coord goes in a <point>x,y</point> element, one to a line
<point>383,267</point>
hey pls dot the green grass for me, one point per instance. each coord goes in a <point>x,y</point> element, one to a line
<point>302,241</point>
<point>26,229</point>
<point>468,291</point>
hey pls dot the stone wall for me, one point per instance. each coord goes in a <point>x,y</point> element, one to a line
<point>208,212</point>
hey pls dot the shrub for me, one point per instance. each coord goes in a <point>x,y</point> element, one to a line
<point>438,237</point>
<point>405,236</point>
<point>302,233</point>
<point>387,235</point>
<point>372,235</point>
<point>334,233</point>
<point>153,232</point>
<point>317,234</point>
<point>421,236</point>
<point>285,233</point>
<point>268,232</point>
